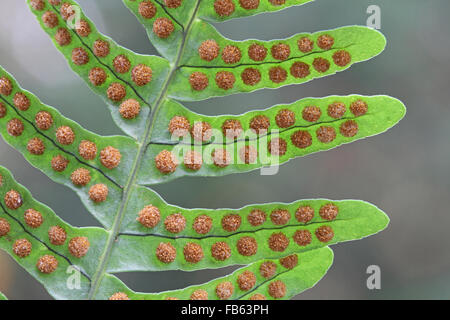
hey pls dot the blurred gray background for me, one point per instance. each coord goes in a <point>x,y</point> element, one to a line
<point>405,171</point>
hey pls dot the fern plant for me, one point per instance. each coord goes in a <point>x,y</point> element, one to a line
<point>284,247</point>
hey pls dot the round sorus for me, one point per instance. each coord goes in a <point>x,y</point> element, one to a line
<point>59,163</point>
<point>141,75</point>
<point>179,126</point>
<point>304,214</point>
<point>1,180</point>
<point>36,146</point>
<point>325,42</point>
<point>231,54</point>
<point>300,70</point>
<point>80,177</point>
<point>47,264</point>
<point>247,246</point>
<point>67,11</point>
<point>193,252</point>
<point>246,280</point>
<point>83,28</point>
<point>15,127</point>
<point>251,76</point>
<point>277,2</point>
<point>121,64</point>
<point>63,37</point>
<point>87,150</point>
<point>80,56</point>
<point>4,227</point>
<point>201,131</point>
<point>57,235</point>
<point>130,109</point>
<point>21,101</point>
<point>2,110</point>
<point>110,157</point>
<point>43,120</point>
<point>232,128</point>
<point>302,237</point>
<point>202,224</point>
<point>224,8</point>
<point>119,296</point>
<point>248,154</point>
<point>285,118</point>
<point>50,19</point>
<point>37,4</point>
<point>257,52</point>
<point>277,74</point>
<point>336,110</point>
<point>225,80</point>
<point>329,211</point>
<point>173,3</point>
<point>171,298</point>
<point>33,218</point>
<point>79,246</point>
<point>277,289</point>
<point>289,262</point>
<point>305,44</point>
<point>5,86</point>
<point>199,295</point>
<point>342,58</point>
<point>54,2</point>
<point>326,134</point>
<point>116,92</point>
<point>321,64</point>
<point>166,162</point>
<point>65,135</point>
<point>221,251</point>
<point>98,193</point>
<point>101,48</point>
<point>97,76</point>
<point>221,158</point>
<point>149,217</point>
<point>278,242</point>
<point>277,147</point>
<point>163,27</point>
<point>280,217</point>
<point>208,50</point>
<point>193,160</point>
<point>311,113</point>
<point>324,233</point>
<point>231,222</point>
<point>258,296</point>
<point>166,252</point>
<point>280,51</point>
<point>249,4</point>
<point>301,139</point>
<point>259,124</point>
<point>349,128</point>
<point>22,248</point>
<point>13,200</point>
<point>198,80</point>
<point>256,217</point>
<point>224,290</point>
<point>175,223</point>
<point>267,269</point>
<point>147,10</point>
<point>359,108</point>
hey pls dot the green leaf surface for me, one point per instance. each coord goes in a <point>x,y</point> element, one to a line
<point>137,243</point>
<point>56,282</point>
<point>361,43</point>
<point>312,266</point>
<point>383,112</point>
<point>3,297</point>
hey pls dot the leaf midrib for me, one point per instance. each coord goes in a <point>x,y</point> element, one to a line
<point>115,229</point>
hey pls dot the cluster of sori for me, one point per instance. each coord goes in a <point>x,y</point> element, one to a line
<point>285,121</point>
<point>52,137</point>
<point>257,53</point>
<point>29,220</point>
<point>225,8</point>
